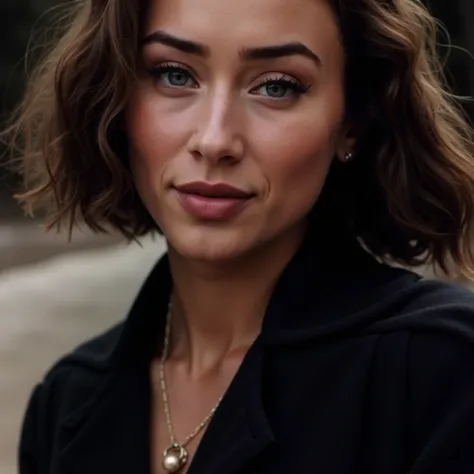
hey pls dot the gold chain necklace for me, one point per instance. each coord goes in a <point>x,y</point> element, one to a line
<point>175,456</point>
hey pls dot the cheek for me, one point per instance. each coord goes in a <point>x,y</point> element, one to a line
<point>146,143</point>
<point>153,141</point>
<point>296,167</point>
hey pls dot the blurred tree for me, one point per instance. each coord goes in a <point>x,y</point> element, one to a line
<point>17,18</point>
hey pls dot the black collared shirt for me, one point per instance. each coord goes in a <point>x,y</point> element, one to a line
<point>359,368</point>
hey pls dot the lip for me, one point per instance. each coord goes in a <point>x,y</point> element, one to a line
<point>213,190</point>
<point>212,201</point>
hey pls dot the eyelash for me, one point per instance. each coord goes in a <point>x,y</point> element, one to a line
<point>163,68</point>
<point>295,87</point>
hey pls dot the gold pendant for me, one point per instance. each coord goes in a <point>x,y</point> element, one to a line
<point>174,457</point>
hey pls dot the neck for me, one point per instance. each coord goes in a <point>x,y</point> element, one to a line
<point>218,309</point>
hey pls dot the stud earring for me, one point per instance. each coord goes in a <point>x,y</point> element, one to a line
<point>348,157</point>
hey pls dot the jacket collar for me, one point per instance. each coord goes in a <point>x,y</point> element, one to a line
<point>332,286</point>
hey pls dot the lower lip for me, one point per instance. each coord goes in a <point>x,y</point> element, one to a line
<point>209,208</point>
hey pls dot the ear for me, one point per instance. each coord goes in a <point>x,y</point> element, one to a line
<point>346,145</point>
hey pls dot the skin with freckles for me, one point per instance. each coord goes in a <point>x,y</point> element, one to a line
<point>219,112</point>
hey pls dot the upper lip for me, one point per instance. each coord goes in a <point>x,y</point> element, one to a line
<point>222,190</point>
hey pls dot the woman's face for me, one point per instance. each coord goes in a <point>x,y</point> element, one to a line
<point>235,119</point>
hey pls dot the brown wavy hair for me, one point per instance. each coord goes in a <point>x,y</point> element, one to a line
<point>408,195</point>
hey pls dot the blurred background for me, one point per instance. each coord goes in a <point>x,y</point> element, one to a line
<point>54,294</point>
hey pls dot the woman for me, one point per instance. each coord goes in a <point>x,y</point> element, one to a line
<point>288,152</point>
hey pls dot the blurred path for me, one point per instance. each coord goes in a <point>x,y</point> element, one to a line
<point>24,242</point>
<point>48,308</point>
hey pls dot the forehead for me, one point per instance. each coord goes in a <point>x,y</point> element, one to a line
<point>239,23</point>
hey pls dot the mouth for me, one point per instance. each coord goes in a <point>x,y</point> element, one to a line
<point>212,201</point>
<point>213,190</point>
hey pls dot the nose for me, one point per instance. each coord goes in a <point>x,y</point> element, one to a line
<point>217,137</point>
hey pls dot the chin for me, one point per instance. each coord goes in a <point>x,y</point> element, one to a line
<point>209,245</point>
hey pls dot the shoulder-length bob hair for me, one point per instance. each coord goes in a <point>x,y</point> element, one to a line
<point>408,195</point>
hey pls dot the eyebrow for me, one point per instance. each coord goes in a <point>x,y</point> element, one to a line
<point>248,54</point>
<point>280,51</point>
<point>186,46</point>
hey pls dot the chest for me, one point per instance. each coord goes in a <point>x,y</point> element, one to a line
<point>337,409</point>
<point>341,409</point>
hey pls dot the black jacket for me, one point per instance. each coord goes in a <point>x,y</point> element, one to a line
<point>359,368</point>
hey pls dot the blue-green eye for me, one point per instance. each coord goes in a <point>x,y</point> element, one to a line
<point>170,75</point>
<point>280,88</point>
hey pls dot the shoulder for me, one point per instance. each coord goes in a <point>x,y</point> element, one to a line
<point>431,335</point>
<point>431,307</point>
<point>440,375</point>
<point>431,325</point>
<point>62,394</point>
<point>440,319</point>
<point>93,355</point>
<point>74,378</point>
<point>437,294</point>
<point>422,373</point>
